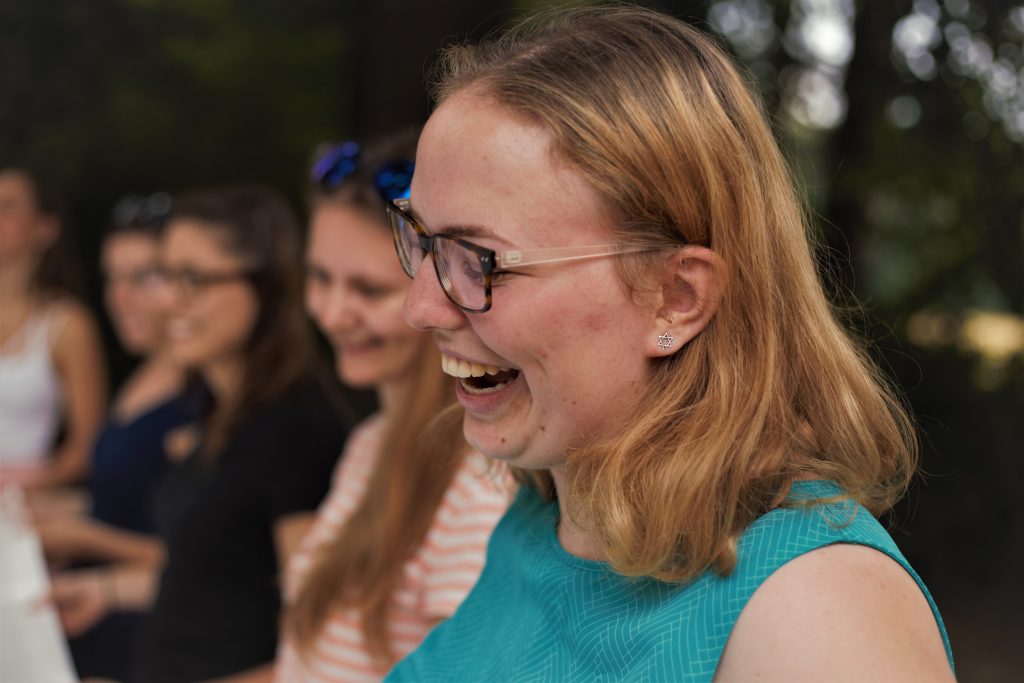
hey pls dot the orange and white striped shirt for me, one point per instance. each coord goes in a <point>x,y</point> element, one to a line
<point>437,577</point>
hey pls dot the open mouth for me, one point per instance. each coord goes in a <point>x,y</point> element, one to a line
<point>476,378</point>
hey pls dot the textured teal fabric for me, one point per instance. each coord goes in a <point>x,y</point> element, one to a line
<point>540,614</point>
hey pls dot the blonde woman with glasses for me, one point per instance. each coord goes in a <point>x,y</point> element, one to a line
<point>601,214</point>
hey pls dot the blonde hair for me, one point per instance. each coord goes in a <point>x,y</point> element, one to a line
<point>362,567</point>
<point>659,121</point>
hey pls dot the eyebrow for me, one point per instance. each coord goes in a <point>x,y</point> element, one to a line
<point>462,231</point>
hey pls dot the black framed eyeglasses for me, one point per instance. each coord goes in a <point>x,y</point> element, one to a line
<point>335,163</point>
<point>191,282</point>
<point>466,270</point>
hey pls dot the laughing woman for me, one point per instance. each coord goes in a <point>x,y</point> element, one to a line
<point>600,206</point>
<point>243,488</point>
<point>401,537</point>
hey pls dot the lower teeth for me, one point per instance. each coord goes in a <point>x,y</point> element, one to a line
<point>470,389</point>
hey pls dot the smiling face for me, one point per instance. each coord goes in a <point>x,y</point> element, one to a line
<point>211,325</point>
<point>570,333</point>
<point>25,232</point>
<point>129,262</point>
<point>354,291</point>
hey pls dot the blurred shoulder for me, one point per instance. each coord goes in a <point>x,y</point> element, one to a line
<point>72,333</point>
<point>481,481</point>
<point>68,318</point>
<point>841,612</point>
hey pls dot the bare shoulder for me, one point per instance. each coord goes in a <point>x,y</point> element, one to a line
<point>842,612</point>
<point>71,324</point>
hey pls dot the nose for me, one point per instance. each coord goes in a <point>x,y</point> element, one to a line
<point>427,307</point>
<point>118,295</point>
<point>334,310</point>
<point>167,294</point>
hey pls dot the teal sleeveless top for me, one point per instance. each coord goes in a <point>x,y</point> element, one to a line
<point>538,613</point>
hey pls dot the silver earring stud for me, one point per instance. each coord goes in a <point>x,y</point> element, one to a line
<point>665,341</point>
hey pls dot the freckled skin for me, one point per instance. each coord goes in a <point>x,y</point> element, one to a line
<point>478,165</point>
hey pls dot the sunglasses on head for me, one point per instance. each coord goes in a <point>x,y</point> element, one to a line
<point>392,179</point>
<point>143,211</point>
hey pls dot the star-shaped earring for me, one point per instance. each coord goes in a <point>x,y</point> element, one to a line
<point>665,341</point>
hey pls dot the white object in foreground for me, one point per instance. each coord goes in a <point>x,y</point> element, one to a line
<point>32,645</point>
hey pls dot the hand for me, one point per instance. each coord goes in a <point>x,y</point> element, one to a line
<point>81,599</point>
<point>61,502</point>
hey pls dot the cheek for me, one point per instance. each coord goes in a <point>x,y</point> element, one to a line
<point>233,319</point>
<point>313,299</point>
<point>385,319</point>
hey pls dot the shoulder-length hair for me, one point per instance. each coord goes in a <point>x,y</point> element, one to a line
<point>256,225</point>
<point>57,273</point>
<point>655,116</point>
<point>362,567</point>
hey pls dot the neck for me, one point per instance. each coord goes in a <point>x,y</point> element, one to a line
<point>160,360</point>
<point>575,539</point>
<point>16,281</point>
<point>389,396</point>
<point>224,378</point>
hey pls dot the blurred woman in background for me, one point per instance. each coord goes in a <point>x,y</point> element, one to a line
<point>52,371</point>
<point>242,487</point>
<point>401,538</point>
<point>129,457</point>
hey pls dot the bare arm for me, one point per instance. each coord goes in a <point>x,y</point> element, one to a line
<point>85,596</point>
<point>78,357</point>
<point>288,534</point>
<point>68,538</point>
<point>840,613</point>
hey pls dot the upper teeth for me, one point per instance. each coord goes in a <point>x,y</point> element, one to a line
<point>457,367</point>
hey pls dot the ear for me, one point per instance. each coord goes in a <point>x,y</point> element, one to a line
<point>688,293</point>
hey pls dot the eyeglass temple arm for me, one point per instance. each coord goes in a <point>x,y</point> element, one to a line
<point>534,257</point>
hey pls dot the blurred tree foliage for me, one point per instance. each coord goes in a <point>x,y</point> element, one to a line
<point>904,120</point>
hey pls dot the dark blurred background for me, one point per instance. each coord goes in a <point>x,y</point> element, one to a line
<point>904,121</point>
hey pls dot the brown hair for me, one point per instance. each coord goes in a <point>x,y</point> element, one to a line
<point>58,272</point>
<point>256,225</point>
<point>362,567</point>
<point>658,120</point>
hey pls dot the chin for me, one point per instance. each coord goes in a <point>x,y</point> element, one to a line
<point>491,440</point>
<point>357,378</point>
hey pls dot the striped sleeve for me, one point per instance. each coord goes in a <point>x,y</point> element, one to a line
<point>452,555</point>
<point>348,484</point>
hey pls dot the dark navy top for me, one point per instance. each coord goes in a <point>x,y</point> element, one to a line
<point>129,461</point>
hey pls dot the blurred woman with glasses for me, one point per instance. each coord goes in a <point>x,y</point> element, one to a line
<point>401,537</point>
<point>128,457</point>
<point>242,486</point>
<point>52,372</point>
<point>600,212</point>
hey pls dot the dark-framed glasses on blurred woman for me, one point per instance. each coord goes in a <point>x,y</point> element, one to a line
<point>190,282</point>
<point>466,270</point>
<point>335,163</point>
<point>138,278</point>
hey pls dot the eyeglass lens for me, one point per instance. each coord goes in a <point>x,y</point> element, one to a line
<point>458,269</point>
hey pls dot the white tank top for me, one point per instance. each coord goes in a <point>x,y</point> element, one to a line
<point>31,400</point>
